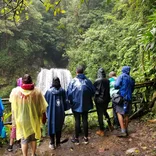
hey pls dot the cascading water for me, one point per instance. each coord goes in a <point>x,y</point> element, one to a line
<point>45,77</point>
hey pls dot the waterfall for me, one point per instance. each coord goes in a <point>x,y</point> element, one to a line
<point>45,77</point>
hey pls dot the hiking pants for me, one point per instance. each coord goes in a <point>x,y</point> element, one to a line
<point>77,117</point>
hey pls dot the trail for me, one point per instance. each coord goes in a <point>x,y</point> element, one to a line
<point>141,142</point>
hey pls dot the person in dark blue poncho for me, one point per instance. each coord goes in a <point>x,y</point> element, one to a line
<point>57,105</point>
<point>80,92</point>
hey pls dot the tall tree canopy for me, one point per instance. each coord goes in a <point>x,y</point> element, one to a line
<point>65,33</point>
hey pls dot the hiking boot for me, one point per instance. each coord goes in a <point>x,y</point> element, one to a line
<point>122,134</point>
<point>10,148</point>
<point>85,141</point>
<point>100,133</point>
<point>52,146</point>
<point>75,141</point>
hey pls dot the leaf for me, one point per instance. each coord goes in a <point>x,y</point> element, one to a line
<point>63,11</point>
<point>55,13</point>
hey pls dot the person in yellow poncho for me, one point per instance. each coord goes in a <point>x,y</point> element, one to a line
<point>28,105</point>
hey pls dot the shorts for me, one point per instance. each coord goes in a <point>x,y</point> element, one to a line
<point>13,133</point>
<point>30,138</point>
<point>120,110</point>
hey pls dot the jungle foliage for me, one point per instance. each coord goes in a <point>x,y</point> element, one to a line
<point>62,34</point>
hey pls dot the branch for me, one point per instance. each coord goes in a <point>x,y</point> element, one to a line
<point>41,1</point>
<point>12,10</point>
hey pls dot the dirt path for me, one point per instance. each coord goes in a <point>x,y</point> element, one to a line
<point>141,142</point>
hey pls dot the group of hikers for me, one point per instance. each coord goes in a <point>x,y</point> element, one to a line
<point>30,108</point>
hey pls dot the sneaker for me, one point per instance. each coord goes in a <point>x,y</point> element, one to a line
<point>122,134</point>
<point>52,146</point>
<point>85,141</point>
<point>10,148</point>
<point>75,141</point>
<point>100,133</point>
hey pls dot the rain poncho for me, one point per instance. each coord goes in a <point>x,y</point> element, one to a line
<point>28,107</point>
<point>102,87</point>
<point>57,105</point>
<point>80,92</point>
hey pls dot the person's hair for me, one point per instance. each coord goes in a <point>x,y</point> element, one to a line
<point>56,83</point>
<point>26,79</point>
<point>112,73</point>
<point>80,69</point>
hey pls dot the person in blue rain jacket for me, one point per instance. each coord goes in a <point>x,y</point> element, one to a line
<point>80,92</point>
<point>56,98</point>
<point>125,84</point>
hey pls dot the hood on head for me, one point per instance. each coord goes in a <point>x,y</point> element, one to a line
<point>126,69</point>
<point>101,73</point>
<point>19,81</point>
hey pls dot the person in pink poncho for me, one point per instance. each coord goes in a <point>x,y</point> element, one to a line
<point>13,130</point>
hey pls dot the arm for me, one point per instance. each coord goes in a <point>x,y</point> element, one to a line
<point>91,87</point>
<point>65,101</point>
<point>133,84</point>
<point>1,109</point>
<point>47,99</point>
<point>69,92</point>
<point>118,81</point>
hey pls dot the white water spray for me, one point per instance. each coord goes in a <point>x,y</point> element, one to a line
<point>45,77</point>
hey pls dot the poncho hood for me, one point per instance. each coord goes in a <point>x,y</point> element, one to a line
<point>19,81</point>
<point>25,92</point>
<point>101,73</point>
<point>126,69</point>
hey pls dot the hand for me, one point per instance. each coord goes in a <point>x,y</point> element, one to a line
<point>2,118</point>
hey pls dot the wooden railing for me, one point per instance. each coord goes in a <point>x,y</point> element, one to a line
<point>140,98</point>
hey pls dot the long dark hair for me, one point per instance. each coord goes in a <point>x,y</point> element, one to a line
<point>56,83</point>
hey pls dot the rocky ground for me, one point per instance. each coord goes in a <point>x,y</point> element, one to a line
<point>141,142</point>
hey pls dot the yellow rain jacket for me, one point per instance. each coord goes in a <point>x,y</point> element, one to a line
<point>28,107</point>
